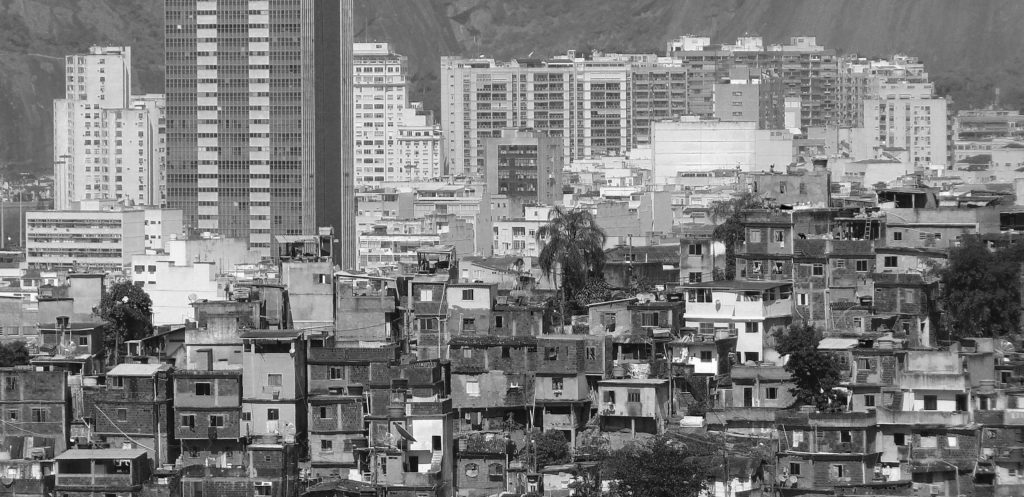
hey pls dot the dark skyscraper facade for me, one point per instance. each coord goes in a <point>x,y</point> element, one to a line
<point>244,118</point>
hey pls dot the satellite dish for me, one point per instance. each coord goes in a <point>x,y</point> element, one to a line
<point>192,298</point>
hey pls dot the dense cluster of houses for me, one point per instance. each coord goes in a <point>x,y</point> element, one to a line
<point>436,382</point>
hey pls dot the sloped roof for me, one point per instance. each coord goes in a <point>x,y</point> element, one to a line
<point>137,369</point>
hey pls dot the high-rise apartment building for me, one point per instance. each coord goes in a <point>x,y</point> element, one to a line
<point>584,102</point>
<point>380,96</point>
<point>395,140</point>
<point>259,137</point>
<point>809,72</point>
<point>107,144</point>
<point>894,101</point>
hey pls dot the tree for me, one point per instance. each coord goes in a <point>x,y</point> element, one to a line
<point>13,354</point>
<point>659,467</point>
<point>127,310</point>
<point>573,247</point>
<point>980,291</point>
<point>550,447</point>
<point>815,373</point>
<point>730,230</point>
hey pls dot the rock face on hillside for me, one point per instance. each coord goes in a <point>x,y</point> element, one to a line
<point>969,47</point>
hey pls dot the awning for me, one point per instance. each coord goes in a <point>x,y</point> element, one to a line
<point>405,434</point>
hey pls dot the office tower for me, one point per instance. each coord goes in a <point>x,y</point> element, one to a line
<point>525,167</point>
<point>107,144</point>
<point>257,123</point>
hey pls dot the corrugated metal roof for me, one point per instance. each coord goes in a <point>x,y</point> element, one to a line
<point>837,343</point>
<point>137,369</point>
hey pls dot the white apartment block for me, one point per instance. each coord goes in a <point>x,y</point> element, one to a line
<point>93,237</point>
<point>914,125</point>
<point>518,237</point>
<point>162,226</point>
<point>395,140</point>
<point>585,103</point>
<point>107,143</point>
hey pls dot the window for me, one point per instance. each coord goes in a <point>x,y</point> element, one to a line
<point>325,412</point>
<point>705,356</point>
<point>591,353</point>
<point>467,294</point>
<point>608,397</point>
<point>817,270</point>
<point>39,415</point>
<point>246,416</point>
<point>862,266</point>
<point>897,235</point>
<point>890,261</point>
<point>428,324</point>
<point>633,395</point>
<point>469,325</point>
<point>83,341</point>
<point>122,415</point>
<point>695,277</point>
<point>754,236</point>
<point>837,471</point>
<point>495,472</point>
<point>499,321</point>
<point>931,403</point>
<point>557,383</point>
<point>216,421</point>
<point>869,401</point>
<point>695,249</point>
<point>780,236</point>
<point>10,383</point>
<point>750,327</point>
<point>273,414</point>
<point>777,267</point>
<point>337,373</point>
<point>794,468</point>
<point>203,389</point>
<point>188,421</point>
<point>649,319</point>
<point>845,436</point>
<point>426,295</point>
<point>473,388</point>
<point>752,356</point>
<point>274,380</point>
<point>551,353</point>
<point>472,470</point>
<point>771,393</point>
<point>326,446</point>
<point>801,299</point>
<point>12,414</point>
<point>899,439</point>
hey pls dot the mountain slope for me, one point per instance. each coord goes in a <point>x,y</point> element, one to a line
<point>969,47</point>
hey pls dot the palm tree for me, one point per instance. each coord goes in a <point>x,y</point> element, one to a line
<point>728,215</point>
<point>573,244</point>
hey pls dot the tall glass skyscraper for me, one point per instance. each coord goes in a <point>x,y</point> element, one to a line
<point>258,140</point>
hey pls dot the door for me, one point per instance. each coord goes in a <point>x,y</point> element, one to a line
<point>748,397</point>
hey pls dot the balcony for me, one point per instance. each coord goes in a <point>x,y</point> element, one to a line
<point>96,481</point>
<point>940,418</point>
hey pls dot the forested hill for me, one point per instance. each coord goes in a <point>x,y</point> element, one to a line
<point>970,46</point>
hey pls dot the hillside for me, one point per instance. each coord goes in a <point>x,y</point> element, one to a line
<point>969,46</point>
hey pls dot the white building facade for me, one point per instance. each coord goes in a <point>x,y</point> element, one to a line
<point>107,143</point>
